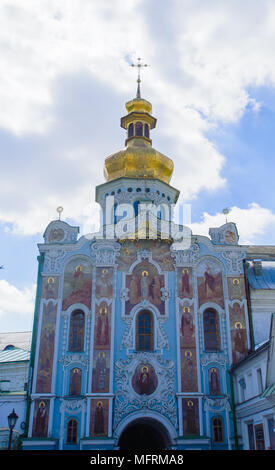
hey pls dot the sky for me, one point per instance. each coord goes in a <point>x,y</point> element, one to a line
<point>65,76</point>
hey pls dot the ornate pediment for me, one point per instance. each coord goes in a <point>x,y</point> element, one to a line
<point>161,400</point>
<point>227,234</point>
<point>60,232</point>
<point>53,260</point>
<point>186,257</point>
<point>105,252</point>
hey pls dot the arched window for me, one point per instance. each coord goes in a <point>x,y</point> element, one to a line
<point>72,428</point>
<point>115,215</point>
<point>211,330</point>
<point>217,428</point>
<point>136,204</point>
<point>159,223</point>
<point>146,130</point>
<point>131,130</point>
<point>118,216</point>
<point>138,128</point>
<point>77,329</point>
<point>145,331</point>
<point>75,381</point>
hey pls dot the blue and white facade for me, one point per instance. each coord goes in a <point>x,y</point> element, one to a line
<point>134,337</point>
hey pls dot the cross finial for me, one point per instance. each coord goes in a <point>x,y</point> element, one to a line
<point>139,65</point>
<point>225,212</point>
<point>59,210</point>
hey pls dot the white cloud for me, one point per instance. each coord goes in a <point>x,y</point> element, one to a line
<point>225,47</point>
<point>252,224</point>
<point>40,41</point>
<point>203,57</point>
<point>16,301</point>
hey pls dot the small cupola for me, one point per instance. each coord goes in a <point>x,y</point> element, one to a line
<point>139,159</point>
<point>139,121</point>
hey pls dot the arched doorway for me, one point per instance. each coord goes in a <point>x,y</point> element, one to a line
<point>144,433</point>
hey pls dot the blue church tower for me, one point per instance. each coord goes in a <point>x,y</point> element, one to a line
<point>136,327</point>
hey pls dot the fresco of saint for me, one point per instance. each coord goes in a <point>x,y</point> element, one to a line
<point>101,370</point>
<point>160,250</point>
<point>56,234</point>
<point>145,284</point>
<point>210,288</point>
<point>102,327</point>
<point>75,382</point>
<point>185,283</point>
<point>189,370</point>
<point>214,381</point>
<point>144,380</point>
<point>156,290</point>
<point>187,328</point>
<point>77,283</point>
<point>134,290</point>
<point>40,418</point>
<point>239,342</point>
<point>104,286</point>
<point>236,288</point>
<point>230,237</point>
<point>99,417</point>
<point>190,416</point>
<point>161,254</point>
<point>49,288</point>
<point>46,349</point>
<point>128,255</point>
<point>238,332</point>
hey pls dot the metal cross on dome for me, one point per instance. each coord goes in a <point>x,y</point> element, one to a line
<point>59,210</point>
<point>225,212</point>
<point>139,65</point>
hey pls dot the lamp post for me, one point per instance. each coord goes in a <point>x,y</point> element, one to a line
<point>12,418</point>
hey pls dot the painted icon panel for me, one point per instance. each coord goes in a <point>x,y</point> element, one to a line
<point>160,250</point>
<point>236,288</point>
<point>145,283</point>
<point>50,287</point>
<point>46,348</point>
<point>41,418</point>
<point>210,288</point>
<point>189,380</point>
<point>101,372</point>
<point>238,332</point>
<point>75,381</point>
<point>185,289</point>
<point>190,417</point>
<point>77,283</point>
<point>102,326</point>
<point>104,283</point>
<point>214,381</point>
<point>144,380</point>
<point>187,326</point>
<point>99,417</point>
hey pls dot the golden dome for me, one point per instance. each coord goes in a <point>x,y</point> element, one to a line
<point>139,159</point>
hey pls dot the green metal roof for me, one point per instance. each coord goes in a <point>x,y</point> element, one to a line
<point>14,355</point>
<point>266,280</point>
<point>269,391</point>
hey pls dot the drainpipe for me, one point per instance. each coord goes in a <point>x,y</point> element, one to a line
<point>234,411</point>
<point>247,290</point>
<point>40,260</point>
